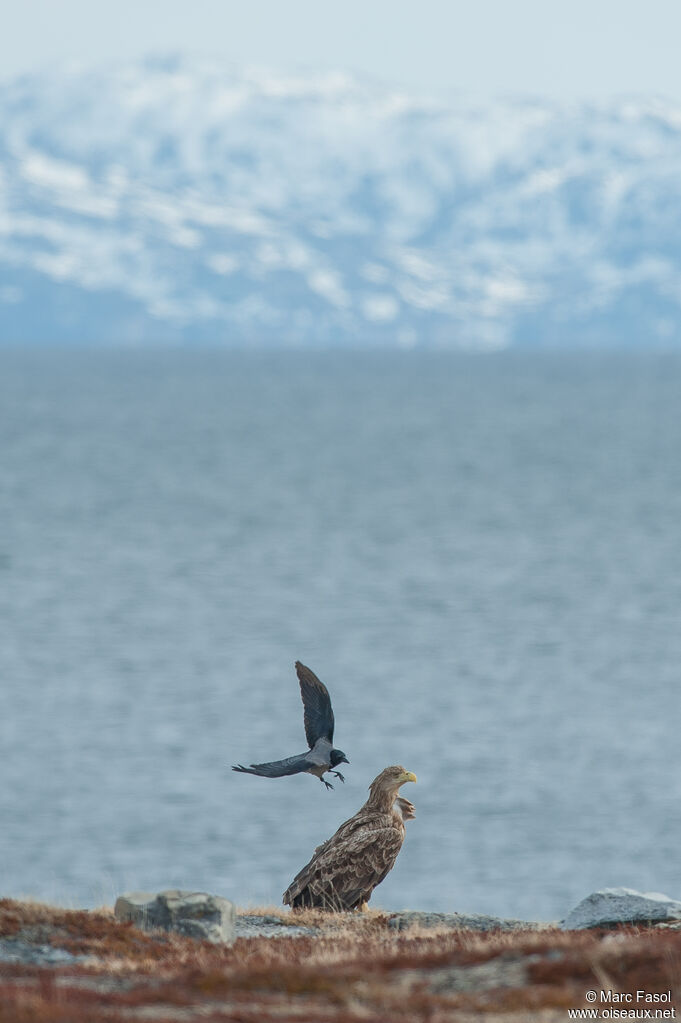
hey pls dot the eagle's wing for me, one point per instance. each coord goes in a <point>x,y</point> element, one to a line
<point>318,715</point>
<point>279,768</point>
<point>345,870</point>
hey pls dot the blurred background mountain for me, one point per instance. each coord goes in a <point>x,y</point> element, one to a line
<point>181,200</point>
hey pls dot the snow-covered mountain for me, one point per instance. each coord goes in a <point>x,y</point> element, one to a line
<point>181,200</point>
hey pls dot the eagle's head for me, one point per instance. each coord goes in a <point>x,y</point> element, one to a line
<point>393,777</point>
<point>384,788</point>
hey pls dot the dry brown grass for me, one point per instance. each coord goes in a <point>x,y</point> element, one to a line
<point>355,968</point>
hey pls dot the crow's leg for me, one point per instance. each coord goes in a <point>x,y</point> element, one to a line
<point>327,783</point>
<point>338,775</point>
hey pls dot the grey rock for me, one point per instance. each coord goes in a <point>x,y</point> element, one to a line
<point>461,921</point>
<point>194,914</point>
<point>253,925</point>
<point>17,950</point>
<point>502,972</point>
<point>621,906</point>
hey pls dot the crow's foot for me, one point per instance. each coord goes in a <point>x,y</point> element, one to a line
<point>338,775</point>
<point>327,783</point>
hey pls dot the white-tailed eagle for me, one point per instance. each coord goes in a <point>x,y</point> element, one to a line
<point>344,871</point>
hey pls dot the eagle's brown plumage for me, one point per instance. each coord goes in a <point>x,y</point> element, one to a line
<point>344,871</point>
<point>407,809</point>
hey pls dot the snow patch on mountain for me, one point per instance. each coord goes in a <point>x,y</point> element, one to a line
<point>183,200</point>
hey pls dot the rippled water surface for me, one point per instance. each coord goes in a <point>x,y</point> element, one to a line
<point>481,557</point>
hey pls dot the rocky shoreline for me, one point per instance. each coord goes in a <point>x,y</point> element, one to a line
<point>197,914</point>
<point>213,918</point>
<point>190,955</point>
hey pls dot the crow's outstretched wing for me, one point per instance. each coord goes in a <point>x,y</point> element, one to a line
<point>318,717</point>
<point>278,768</point>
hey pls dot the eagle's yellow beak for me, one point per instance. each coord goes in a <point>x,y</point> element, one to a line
<point>408,776</point>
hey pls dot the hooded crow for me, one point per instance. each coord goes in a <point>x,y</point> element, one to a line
<point>319,723</point>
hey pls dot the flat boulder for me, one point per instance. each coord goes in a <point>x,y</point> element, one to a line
<point>461,921</point>
<point>257,925</point>
<point>621,906</point>
<point>193,914</point>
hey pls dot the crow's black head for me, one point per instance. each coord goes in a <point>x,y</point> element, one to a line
<point>338,757</point>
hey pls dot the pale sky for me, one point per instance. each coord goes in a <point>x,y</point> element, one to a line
<point>581,49</point>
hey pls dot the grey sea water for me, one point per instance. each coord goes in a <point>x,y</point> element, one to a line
<point>480,556</point>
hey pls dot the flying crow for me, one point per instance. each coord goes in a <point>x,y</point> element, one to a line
<point>318,720</point>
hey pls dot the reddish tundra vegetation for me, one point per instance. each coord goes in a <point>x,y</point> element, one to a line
<point>356,967</point>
